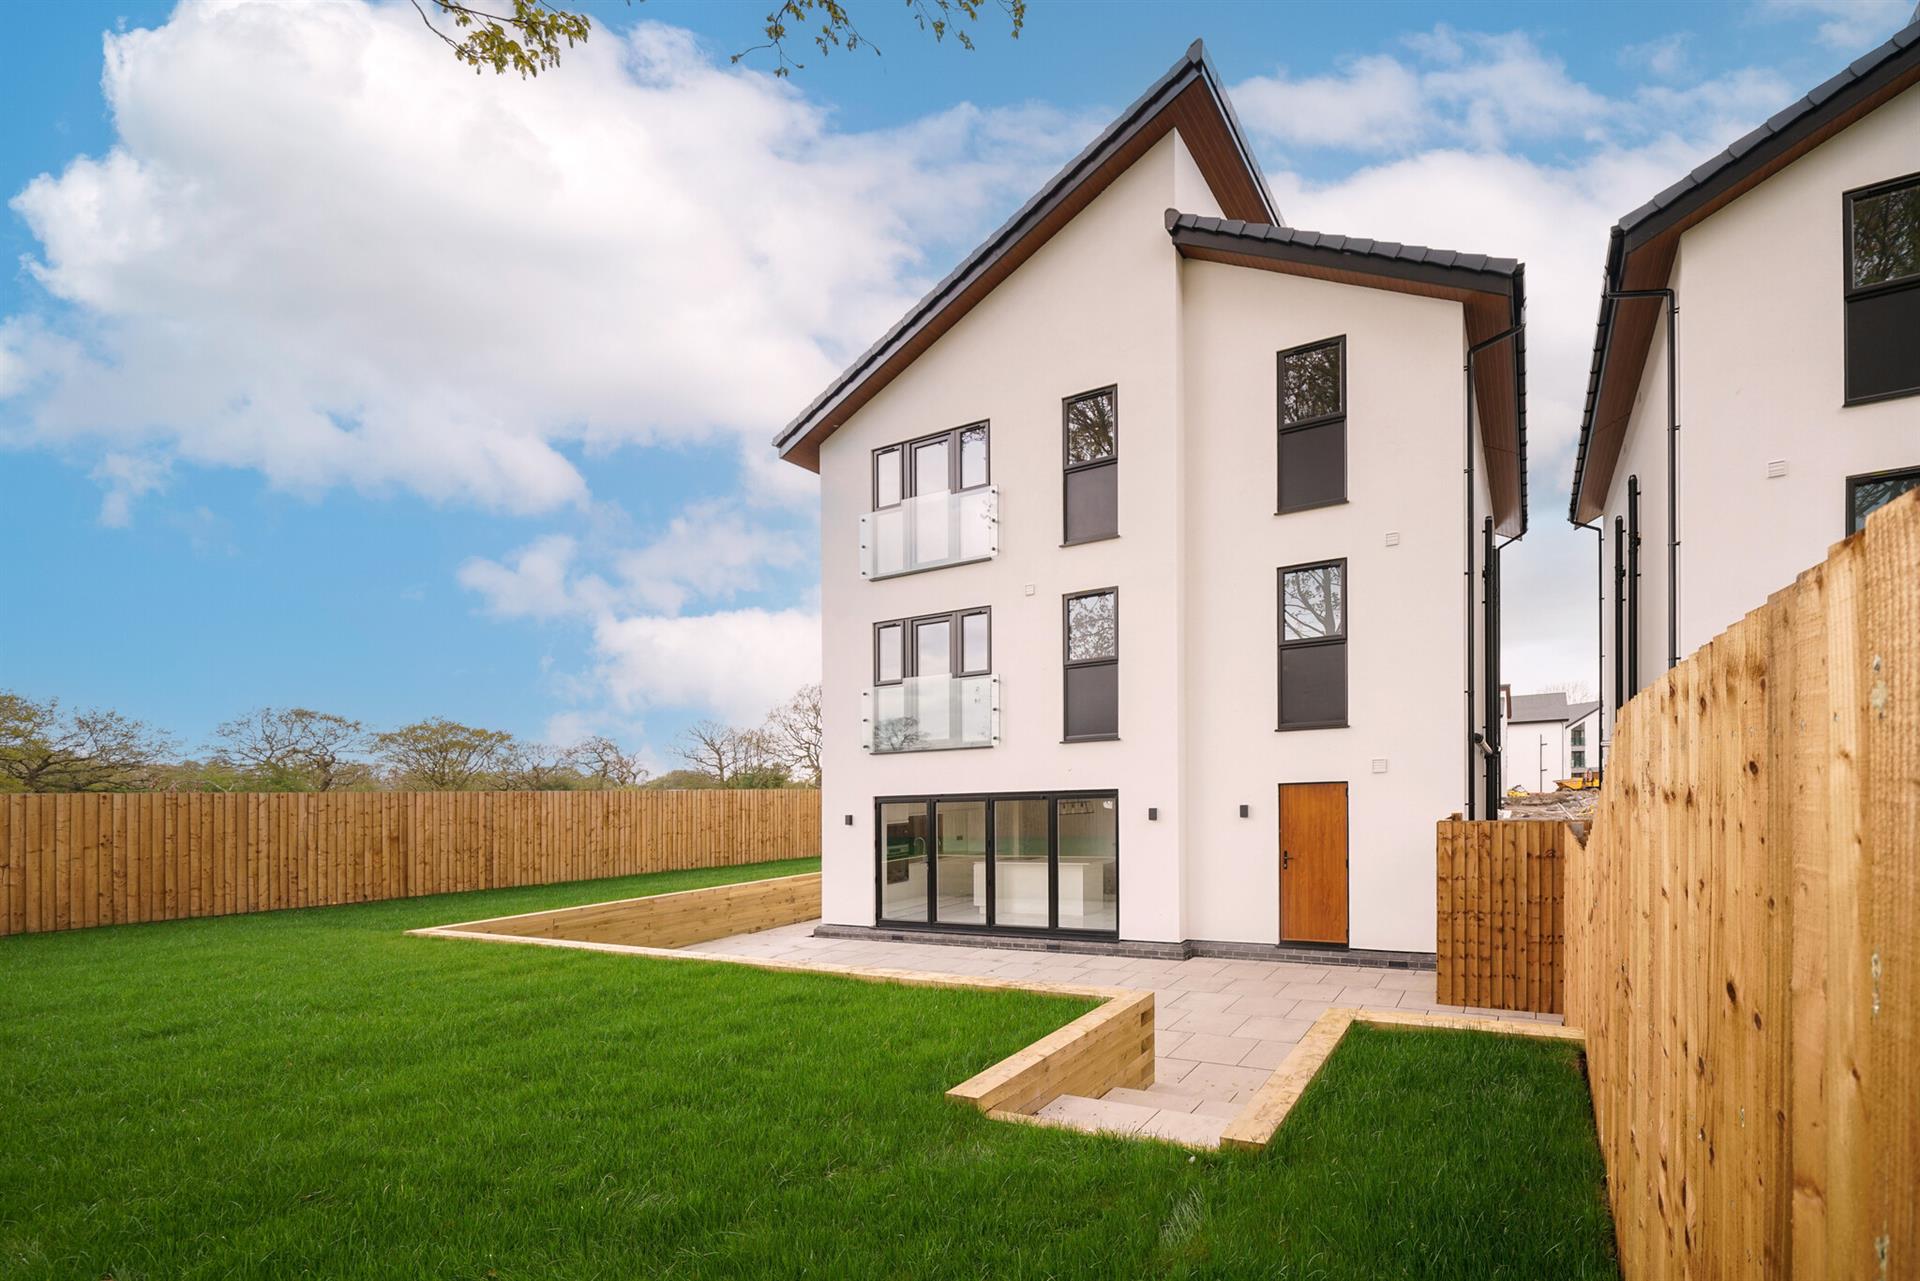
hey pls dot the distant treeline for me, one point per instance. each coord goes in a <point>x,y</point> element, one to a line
<point>47,748</point>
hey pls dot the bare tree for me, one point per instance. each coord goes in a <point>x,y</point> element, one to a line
<point>293,747</point>
<point>444,756</point>
<point>45,750</point>
<point>795,734</point>
<point>536,767</point>
<point>1576,691</point>
<point>725,753</point>
<point>602,761</point>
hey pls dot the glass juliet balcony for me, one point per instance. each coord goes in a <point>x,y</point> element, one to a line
<point>932,714</point>
<point>930,531</point>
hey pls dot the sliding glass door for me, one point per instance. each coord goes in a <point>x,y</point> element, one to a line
<point>1014,862</point>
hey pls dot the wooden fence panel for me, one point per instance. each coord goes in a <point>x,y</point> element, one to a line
<point>73,860</point>
<point>1499,920</point>
<point>1743,936</point>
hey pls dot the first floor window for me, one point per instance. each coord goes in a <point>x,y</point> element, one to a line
<point>1882,295</point>
<point>1868,494</point>
<point>1313,426</point>
<point>1313,645</point>
<point>956,644</point>
<point>1091,493</point>
<point>1579,735</point>
<point>1092,665</point>
<point>1579,761</point>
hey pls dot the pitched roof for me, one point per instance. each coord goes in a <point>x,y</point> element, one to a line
<point>1533,708</point>
<point>1189,96</point>
<point>1641,247</point>
<point>1492,292</point>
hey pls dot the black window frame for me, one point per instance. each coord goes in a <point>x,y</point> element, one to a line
<point>956,643</point>
<point>1053,799</point>
<point>904,463</point>
<point>1633,585</point>
<point>1282,644</point>
<point>1853,525</point>
<point>1851,294</point>
<point>1069,468</point>
<point>1284,428</point>
<point>1068,662</point>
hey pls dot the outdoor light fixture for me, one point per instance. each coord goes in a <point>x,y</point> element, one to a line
<point>849,820</point>
<point>1243,811</point>
<point>1152,814</point>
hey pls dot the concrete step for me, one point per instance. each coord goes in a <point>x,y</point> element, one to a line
<point>1111,1115</point>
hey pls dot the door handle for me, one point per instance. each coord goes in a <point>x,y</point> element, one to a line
<point>1285,860</point>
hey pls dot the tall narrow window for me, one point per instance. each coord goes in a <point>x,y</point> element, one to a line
<point>1313,646</point>
<point>1092,676</point>
<point>1091,431</point>
<point>1883,290</point>
<point>886,477</point>
<point>1619,612</point>
<point>1868,494</point>
<point>1633,586</point>
<point>1313,426</point>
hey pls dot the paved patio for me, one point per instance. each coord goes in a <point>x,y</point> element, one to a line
<point>1220,1026</point>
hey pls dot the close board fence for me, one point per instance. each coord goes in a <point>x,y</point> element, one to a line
<point>1500,939</point>
<point>73,860</point>
<point>1743,936</point>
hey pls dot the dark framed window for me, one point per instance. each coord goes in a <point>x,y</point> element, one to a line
<point>1312,449</point>
<point>1619,612</point>
<point>1633,586</point>
<point>1019,862</point>
<point>1868,493</point>
<point>1579,738</point>
<point>1313,645</point>
<point>1882,294</point>
<point>954,644</point>
<point>1090,440</point>
<point>944,462</point>
<point>1091,658</point>
<point>1579,760</point>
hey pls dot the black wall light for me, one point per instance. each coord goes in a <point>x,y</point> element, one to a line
<point>1243,811</point>
<point>849,820</point>
<point>1153,814</point>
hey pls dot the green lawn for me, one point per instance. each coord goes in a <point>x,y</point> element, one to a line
<point>314,1094</point>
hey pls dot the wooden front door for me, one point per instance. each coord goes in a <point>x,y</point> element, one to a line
<point>1313,862</point>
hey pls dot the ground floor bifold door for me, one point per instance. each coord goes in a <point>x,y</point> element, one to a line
<point>1015,862</point>
<point>1313,863</point>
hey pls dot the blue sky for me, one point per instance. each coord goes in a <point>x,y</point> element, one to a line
<point>331,375</point>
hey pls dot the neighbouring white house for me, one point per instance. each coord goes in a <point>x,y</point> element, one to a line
<point>1155,564</point>
<point>1548,738</point>
<point>1755,388</point>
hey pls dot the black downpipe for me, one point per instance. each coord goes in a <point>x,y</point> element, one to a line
<point>1619,613</point>
<point>1476,740</point>
<point>1600,632</point>
<point>1673,463</point>
<point>1490,598</point>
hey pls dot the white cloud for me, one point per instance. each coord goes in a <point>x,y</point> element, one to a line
<point>1664,56</point>
<point>739,662</point>
<point>534,585</point>
<point>126,477</point>
<point>1853,26</point>
<point>322,249</point>
<point>1483,91</point>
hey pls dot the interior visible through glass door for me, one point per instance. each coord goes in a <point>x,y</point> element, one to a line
<point>1021,882</point>
<point>960,862</point>
<point>903,867</point>
<point>1089,840</point>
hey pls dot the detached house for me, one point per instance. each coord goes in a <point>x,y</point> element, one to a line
<point>1158,556</point>
<point>1548,738</point>
<point>1755,389</point>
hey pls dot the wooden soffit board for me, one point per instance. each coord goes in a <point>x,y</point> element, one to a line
<point>1192,110</point>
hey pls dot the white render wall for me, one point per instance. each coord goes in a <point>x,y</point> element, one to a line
<point>1761,379</point>
<point>1192,348</point>
<point>1097,305</point>
<point>1537,753</point>
<point>1406,658</point>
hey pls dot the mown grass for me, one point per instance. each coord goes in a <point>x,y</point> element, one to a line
<point>315,1094</point>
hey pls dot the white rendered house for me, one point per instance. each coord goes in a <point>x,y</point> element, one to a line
<point>1547,738</point>
<point>1152,551</point>
<point>1728,444</point>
